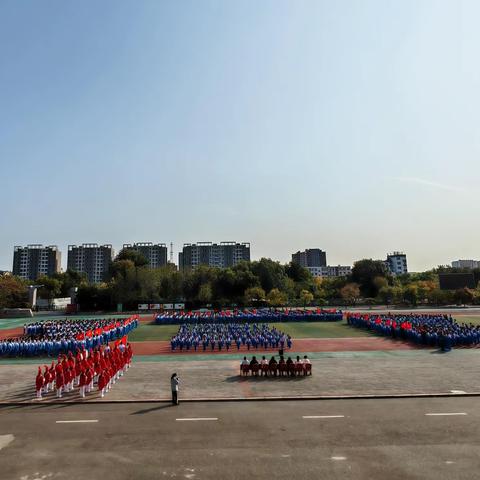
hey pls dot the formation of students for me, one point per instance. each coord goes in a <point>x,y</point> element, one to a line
<point>99,367</point>
<point>52,338</point>
<point>249,315</point>
<point>221,336</point>
<point>273,368</point>
<point>427,329</point>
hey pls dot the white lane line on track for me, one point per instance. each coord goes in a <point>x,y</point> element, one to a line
<point>205,419</point>
<point>323,416</point>
<point>6,440</point>
<point>446,414</point>
<point>76,421</point>
<point>338,458</point>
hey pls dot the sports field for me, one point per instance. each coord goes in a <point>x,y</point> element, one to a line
<point>475,319</point>
<point>149,332</point>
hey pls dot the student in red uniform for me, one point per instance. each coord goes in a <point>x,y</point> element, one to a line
<point>82,383</point>
<point>102,383</point>
<point>48,379</point>
<point>59,381</point>
<point>130,355</point>
<point>39,382</point>
<point>66,379</point>
<point>64,363</point>
<point>89,379</point>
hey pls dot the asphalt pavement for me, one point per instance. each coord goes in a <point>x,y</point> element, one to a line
<point>435,438</point>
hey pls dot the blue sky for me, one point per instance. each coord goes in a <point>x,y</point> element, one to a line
<point>352,126</point>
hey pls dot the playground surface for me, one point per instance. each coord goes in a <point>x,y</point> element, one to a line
<point>346,361</point>
<point>401,372</point>
<point>152,339</point>
<point>374,439</point>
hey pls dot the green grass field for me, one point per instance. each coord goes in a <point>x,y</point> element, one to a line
<point>475,319</point>
<point>319,329</point>
<point>147,332</point>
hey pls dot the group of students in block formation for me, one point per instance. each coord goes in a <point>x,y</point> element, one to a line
<point>273,368</point>
<point>99,367</point>
<point>249,315</point>
<point>211,336</point>
<point>55,337</point>
<point>435,330</point>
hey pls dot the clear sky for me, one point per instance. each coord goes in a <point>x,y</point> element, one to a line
<point>352,126</point>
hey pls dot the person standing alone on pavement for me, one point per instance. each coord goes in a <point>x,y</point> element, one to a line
<point>174,381</point>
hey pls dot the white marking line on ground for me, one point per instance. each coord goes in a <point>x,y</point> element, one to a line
<point>6,440</point>
<point>444,414</point>
<point>338,458</point>
<point>205,419</point>
<point>457,392</point>
<point>76,421</point>
<point>323,416</point>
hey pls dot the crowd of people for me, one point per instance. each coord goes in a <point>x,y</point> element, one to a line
<point>249,315</point>
<point>99,367</point>
<point>273,368</point>
<point>435,330</point>
<point>211,336</point>
<point>52,338</point>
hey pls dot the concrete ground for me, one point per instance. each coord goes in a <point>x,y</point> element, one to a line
<point>344,439</point>
<point>340,373</point>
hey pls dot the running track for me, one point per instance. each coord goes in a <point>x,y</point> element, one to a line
<point>357,344</point>
<point>364,344</point>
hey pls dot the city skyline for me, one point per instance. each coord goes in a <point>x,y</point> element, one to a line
<point>220,254</point>
<point>351,126</point>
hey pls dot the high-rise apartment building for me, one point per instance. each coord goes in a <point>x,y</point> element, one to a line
<point>156,254</point>
<point>330,271</point>
<point>34,260</point>
<point>311,257</point>
<point>397,263</point>
<point>470,264</point>
<point>222,255</point>
<point>91,259</point>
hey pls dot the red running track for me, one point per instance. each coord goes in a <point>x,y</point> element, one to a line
<point>365,344</point>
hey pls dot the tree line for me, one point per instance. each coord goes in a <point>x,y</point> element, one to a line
<point>259,283</point>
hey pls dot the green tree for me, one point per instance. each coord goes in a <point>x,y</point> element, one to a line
<point>297,273</point>
<point>440,297</point>
<point>94,297</point>
<point>13,292</point>
<point>276,298</point>
<point>134,256</point>
<point>387,294</point>
<point>271,274</point>
<point>365,273</point>
<point>171,290</point>
<point>464,296</point>
<point>306,297</point>
<point>410,294</point>
<point>69,280</point>
<point>350,293</point>
<point>380,282</point>
<point>254,295</point>
<point>319,292</point>
<point>205,294</point>
<point>50,289</point>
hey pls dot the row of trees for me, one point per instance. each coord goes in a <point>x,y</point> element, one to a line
<point>263,282</point>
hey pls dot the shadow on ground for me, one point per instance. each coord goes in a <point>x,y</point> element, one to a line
<point>261,379</point>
